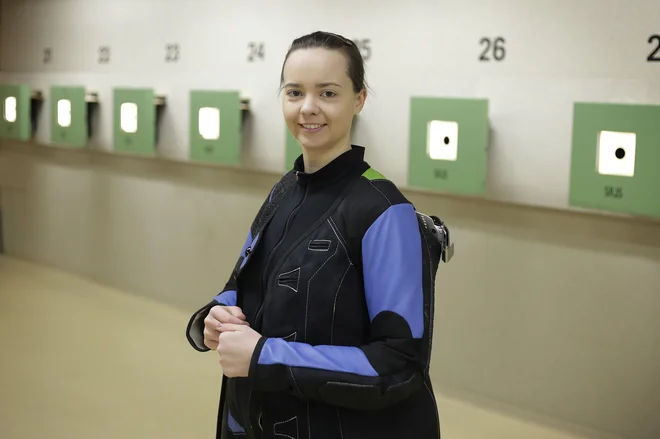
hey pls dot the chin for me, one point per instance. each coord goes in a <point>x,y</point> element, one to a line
<point>313,146</point>
<point>311,143</point>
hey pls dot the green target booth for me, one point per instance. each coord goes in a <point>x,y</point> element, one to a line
<point>615,157</point>
<point>20,111</point>
<point>136,119</point>
<point>448,145</point>
<point>71,109</point>
<point>216,124</point>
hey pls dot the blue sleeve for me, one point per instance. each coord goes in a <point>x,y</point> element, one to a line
<point>387,368</point>
<point>227,298</point>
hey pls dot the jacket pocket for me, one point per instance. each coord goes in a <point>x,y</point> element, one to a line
<point>319,245</point>
<point>288,428</point>
<point>290,279</point>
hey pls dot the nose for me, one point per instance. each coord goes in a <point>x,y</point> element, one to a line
<point>309,105</point>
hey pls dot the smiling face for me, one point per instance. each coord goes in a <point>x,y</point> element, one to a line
<point>319,101</point>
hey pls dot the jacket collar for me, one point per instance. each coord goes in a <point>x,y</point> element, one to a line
<point>347,163</point>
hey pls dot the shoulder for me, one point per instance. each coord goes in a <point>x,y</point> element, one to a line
<point>269,205</point>
<point>280,188</point>
<point>382,191</point>
<point>377,203</point>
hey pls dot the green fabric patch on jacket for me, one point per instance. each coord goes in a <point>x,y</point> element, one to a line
<point>372,174</point>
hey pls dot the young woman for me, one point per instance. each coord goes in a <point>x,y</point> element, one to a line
<point>324,328</point>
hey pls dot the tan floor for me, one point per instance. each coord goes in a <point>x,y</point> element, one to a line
<point>85,361</point>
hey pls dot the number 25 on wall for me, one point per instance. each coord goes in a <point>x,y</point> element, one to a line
<point>654,56</point>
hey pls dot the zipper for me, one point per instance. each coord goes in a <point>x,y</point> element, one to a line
<point>303,235</point>
<point>264,277</point>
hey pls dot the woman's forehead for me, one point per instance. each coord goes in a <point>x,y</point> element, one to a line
<point>319,66</point>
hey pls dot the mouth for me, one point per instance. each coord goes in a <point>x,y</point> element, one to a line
<point>312,127</point>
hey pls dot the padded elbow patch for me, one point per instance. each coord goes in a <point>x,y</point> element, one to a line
<point>391,348</point>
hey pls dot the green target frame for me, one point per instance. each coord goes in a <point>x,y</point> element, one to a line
<point>136,116</point>
<point>448,145</point>
<point>71,111</point>
<point>20,110</point>
<point>615,157</point>
<point>216,123</point>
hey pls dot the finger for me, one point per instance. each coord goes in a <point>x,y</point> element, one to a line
<point>223,314</point>
<point>219,311</point>
<point>231,327</point>
<point>235,311</point>
<point>211,344</point>
<point>211,334</point>
<point>228,318</point>
<point>210,320</point>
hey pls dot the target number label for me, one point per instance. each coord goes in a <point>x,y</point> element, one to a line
<point>654,41</point>
<point>493,49</point>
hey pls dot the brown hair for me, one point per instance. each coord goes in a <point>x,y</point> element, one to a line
<point>330,41</point>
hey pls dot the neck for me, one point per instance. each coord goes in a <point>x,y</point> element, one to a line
<point>317,159</point>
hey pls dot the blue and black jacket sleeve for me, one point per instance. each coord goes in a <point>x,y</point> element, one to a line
<point>388,367</point>
<point>227,297</point>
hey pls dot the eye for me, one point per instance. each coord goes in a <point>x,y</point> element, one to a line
<point>331,93</point>
<point>290,93</point>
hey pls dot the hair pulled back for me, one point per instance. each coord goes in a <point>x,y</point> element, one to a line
<point>330,41</point>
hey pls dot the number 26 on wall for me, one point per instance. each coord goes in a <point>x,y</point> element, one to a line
<point>492,47</point>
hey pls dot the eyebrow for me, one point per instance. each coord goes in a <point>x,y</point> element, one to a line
<point>321,85</point>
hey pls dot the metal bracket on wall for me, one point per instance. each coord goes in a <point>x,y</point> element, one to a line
<point>245,108</point>
<point>92,100</point>
<point>36,100</point>
<point>160,101</point>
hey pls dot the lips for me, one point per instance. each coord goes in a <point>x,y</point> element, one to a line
<point>312,127</point>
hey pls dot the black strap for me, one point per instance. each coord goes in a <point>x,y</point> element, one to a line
<point>219,434</point>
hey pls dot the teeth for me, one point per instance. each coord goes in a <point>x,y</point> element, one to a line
<point>312,127</point>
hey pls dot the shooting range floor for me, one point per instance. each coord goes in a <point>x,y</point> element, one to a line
<point>80,360</point>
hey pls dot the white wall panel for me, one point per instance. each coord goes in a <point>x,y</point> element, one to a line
<point>555,53</point>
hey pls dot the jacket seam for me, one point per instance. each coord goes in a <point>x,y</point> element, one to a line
<point>309,284</point>
<point>379,191</point>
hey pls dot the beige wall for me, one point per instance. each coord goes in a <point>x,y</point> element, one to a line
<point>549,315</point>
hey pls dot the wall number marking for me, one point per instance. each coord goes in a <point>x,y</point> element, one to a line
<point>48,55</point>
<point>442,174</point>
<point>654,56</point>
<point>104,54</point>
<point>364,45</point>
<point>492,47</point>
<point>255,50</point>
<point>172,52</point>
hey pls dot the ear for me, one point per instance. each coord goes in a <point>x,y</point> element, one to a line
<point>360,99</point>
